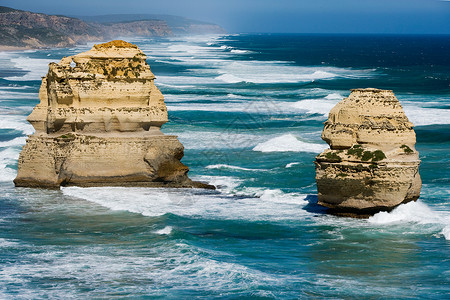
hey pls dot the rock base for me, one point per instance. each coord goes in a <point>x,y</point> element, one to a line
<point>87,160</point>
<point>361,189</point>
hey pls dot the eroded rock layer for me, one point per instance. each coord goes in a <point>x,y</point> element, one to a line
<point>98,123</point>
<point>372,164</point>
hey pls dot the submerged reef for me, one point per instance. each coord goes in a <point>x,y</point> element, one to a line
<point>372,164</point>
<point>98,124</point>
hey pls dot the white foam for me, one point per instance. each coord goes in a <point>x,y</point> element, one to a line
<point>36,67</point>
<point>186,80</point>
<point>225,184</point>
<point>16,122</point>
<point>14,95</point>
<point>165,231</point>
<point>262,107</point>
<point>409,212</point>
<point>238,51</point>
<point>289,165</point>
<point>251,104</point>
<point>18,141</point>
<point>315,106</point>
<point>173,266</point>
<point>414,212</point>
<point>13,86</point>
<point>334,96</point>
<point>217,67</point>
<point>421,116</point>
<point>280,72</point>
<point>224,166</point>
<point>278,196</point>
<point>4,243</point>
<point>229,78</point>
<point>9,154</point>
<point>7,174</point>
<point>446,232</point>
<point>288,142</point>
<point>234,96</point>
<point>205,140</point>
<point>271,205</point>
<point>8,157</point>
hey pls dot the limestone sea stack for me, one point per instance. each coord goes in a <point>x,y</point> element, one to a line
<point>372,164</point>
<point>98,124</point>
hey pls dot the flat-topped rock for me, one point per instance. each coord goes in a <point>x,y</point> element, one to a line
<point>372,164</point>
<point>98,123</point>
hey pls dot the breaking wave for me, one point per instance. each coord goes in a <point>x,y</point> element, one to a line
<point>288,142</point>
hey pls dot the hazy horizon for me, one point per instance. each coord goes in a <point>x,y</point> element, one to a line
<point>285,16</point>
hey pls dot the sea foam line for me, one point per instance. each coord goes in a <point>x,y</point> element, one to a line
<point>415,212</point>
<point>267,205</point>
<point>224,166</point>
<point>288,142</point>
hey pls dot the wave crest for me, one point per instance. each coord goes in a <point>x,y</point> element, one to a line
<point>288,142</point>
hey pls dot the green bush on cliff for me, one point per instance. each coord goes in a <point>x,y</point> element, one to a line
<point>376,155</point>
<point>406,149</point>
<point>332,156</point>
<point>355,150</point>
<point>373,166</point>
<point>366,156</point>
<point>67,136</point>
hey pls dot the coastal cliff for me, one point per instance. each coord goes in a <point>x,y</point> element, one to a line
<point>372,164</point>
<point>98,124</point>
<point>178,25</point>
<point>24,29</point>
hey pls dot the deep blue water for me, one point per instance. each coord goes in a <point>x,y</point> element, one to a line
<point>249,110</point>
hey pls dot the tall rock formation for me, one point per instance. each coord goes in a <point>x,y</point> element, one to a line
<point>98,124</point>
<point>372,164</point>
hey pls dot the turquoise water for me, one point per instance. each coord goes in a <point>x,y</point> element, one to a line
<point>249,110</point>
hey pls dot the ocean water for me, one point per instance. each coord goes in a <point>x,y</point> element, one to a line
<point>249,110</point>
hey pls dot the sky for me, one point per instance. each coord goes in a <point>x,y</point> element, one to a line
<point>276,16</point>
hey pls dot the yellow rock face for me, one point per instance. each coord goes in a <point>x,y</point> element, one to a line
<point>98,123</point>
<point>372,164</point>
<point>107,89</point>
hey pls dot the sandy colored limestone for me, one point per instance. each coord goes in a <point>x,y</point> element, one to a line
<point>98,123</point>
<point>372,164</point>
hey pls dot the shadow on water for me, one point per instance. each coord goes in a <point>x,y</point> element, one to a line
<point>313,207</point>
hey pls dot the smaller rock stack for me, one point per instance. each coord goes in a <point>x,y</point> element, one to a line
<point>372,164</point>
